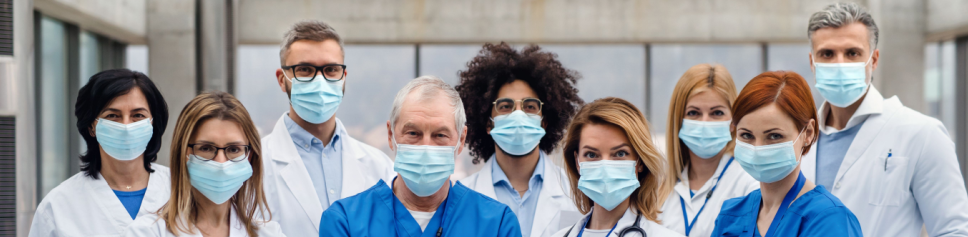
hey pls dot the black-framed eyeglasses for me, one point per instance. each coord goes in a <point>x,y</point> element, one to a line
<point>306,72</point>
<point>528,105</point>
<point>209,151</point>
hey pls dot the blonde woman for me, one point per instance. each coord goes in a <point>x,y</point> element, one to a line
<point>702,172</point>
<point>615,172</point>
<point>216,175</point>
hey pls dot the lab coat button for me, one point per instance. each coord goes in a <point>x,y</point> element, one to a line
<point>837,186</point>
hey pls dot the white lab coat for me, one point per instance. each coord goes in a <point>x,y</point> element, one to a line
<point>735,183</point>
<point>651,228</point>
<point>289,190</point>
<point>82,206</point>
<point>152,226</point>
<point>555,209</point>
<point>919,184</point>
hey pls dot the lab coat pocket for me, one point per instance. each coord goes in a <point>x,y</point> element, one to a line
<point>886,183</point>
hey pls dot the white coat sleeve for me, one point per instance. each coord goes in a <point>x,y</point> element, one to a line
<point>938,186</point>
<point>42,225</point>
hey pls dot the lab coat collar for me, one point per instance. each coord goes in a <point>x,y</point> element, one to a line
<point>870,130</point>
<point>627,220</point>
<point>550,199</point>
<point>873,103</point>
<point>297,178</point>
<point>682,187</point>
<point>304,139</point>
<point>154,196</point>
<point>498,174</point>
<point>236,229</point>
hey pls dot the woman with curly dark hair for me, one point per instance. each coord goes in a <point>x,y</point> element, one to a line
<point>517,106</point>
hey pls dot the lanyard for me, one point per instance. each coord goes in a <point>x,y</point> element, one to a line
<point>580,232</point>
<point>792,194</point>
<point>443,209</point>
<point>682,202</point>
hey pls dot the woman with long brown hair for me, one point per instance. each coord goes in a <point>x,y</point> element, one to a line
<point>216,175</point>
<point>702,172</point>
<point>615,172</point>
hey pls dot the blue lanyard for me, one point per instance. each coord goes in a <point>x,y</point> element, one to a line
<point>682,202</point>
<point>582,231</point>
<point>792,194</point>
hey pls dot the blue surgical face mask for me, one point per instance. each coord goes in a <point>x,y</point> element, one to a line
<point>517,133</point>
<point>768,163</point>
<point>608,182</point>
<point>841,84</point>
<point>705,139</point>
<point>123,141</point>
<point>218,181</point>
<point>316,101</point>
<point>424,168</point>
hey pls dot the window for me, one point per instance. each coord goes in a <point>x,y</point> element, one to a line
<point>54,111</point>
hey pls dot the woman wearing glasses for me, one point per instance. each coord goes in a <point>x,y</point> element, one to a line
<point>216,175</point>
<point>517,105</point>
<point>615,172</point>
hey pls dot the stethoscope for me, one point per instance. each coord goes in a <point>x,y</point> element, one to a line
<point>443,210</point>
<point>634,227</point>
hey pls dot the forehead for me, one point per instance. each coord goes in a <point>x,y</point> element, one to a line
<point>219,131</point>
<point>851,35</point>
<point>314,52</point>
<point>517,89</point>
<point>707,97</point>
<point>766,117</point>
<point>133,98</point>
<point>430,110</point>
<point>602,135</point>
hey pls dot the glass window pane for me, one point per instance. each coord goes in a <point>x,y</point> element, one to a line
<point>669,61</point>
<point>606,70</point>
<point>374,74</point>
<point>54,118</point>
<point>136,58</point>
<point>445,61</point>
<point>90,56</point>
<point>939,84</point>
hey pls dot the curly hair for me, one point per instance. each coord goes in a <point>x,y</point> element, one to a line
<point>498,65</point>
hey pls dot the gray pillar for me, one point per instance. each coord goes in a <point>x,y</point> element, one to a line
<point>171,58</point>
<point>216,35</point>
<point>24,109</point>
<point>901,68</point>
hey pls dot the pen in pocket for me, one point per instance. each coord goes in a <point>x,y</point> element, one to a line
<point>885,159</point>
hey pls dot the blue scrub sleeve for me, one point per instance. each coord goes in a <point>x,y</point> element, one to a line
<point>835,221</point>
<point>334,222</point>
<point>509,224</point>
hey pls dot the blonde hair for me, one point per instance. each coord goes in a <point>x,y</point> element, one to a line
<point>181,210</point>
<point>620,113</point>
<point>698,79</point>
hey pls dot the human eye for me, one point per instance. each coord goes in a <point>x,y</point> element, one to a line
<point>590,155</point>
<point>746,136</point>
<point>719,113</point>
<point>206,148</point>
<point>774,136</point>
<point>692,113</point>
<point>622,153</point>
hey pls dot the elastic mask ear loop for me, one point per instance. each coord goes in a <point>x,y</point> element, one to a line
<point>801,148</point>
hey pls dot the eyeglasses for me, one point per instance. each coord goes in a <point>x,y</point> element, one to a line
<point>306,72</point>
<point>209,151</point>
<point>507,105</point>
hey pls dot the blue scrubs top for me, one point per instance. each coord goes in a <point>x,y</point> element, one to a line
<point>378,212</point>
<point>816,213</point>
<point>131,200</point>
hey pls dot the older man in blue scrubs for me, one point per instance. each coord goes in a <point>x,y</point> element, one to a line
<point>426,130</point>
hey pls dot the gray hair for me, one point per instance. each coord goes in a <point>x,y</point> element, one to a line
<point>429,86</point>
<point>308,30</point>
<point>841,14</point>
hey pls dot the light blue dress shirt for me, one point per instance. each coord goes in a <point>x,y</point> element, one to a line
<point>831,149</point>
<point>522,206</point>
<point>324,163</point>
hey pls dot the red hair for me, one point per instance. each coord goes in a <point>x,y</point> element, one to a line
<point>788,90</point>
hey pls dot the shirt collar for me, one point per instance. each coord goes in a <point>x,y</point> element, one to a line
<point>498,175</point>
<point>304,139</point>
<point>872,104</point>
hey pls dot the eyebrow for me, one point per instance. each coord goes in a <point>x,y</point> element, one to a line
<point>409,125</point>
<point>620,146</point>
<point>590,148</point>
<point>212,143</point>
<point>139,109</point>
<point>443,129</point>
<point>770,130</point>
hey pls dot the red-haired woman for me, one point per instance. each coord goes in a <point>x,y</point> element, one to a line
<point>775,123</point>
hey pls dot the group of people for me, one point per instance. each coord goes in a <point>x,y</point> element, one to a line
<point>763,161</point>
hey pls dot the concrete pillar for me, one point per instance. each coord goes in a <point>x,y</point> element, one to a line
<point>217,39</point>
<point>23,107</point>
<point>171,58</point>
<point>901,68</point>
